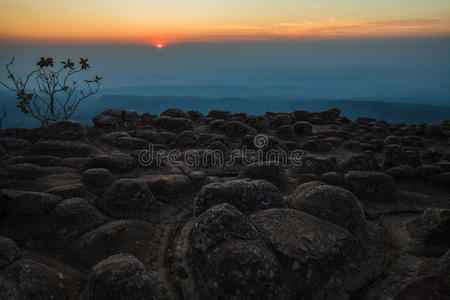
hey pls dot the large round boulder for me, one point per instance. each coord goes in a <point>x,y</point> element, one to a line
<point>236,129</point>
<point>28,279</point>
<point>175,113</point>
<point>124,236</point>
<point>358,162</point>
<point>76,216</point>
<point>246,195</point>
<point>32,206</point>
<point>186,139</point>
<point>313,164</point>
<point>120,276</point>
<point>271,171</point>
<point>219,223</point>
<point>128,198</point>
<point>330,203</point>
<point>219,114</point>
<point>432,227</point>
<point>175,125</point>
<point>62,148</point>
<point>8,252</point>
<point>65,130</point>
<point>308,248</point>
<point>374,187</point>
<point>241,269</point>
<point>98,180</point>
<point>302,128</point>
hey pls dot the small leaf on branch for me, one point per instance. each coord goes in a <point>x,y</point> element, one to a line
<point>84,64</point>
<point>68,64</point>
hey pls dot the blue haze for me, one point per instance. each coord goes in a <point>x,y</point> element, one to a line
<point>390,70</point>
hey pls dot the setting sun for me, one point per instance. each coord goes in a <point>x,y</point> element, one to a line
<point>159,45</point>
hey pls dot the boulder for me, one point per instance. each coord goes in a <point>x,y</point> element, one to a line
<point>280,120</point>
<point>257,122</point>
<point>121,276</point>
<point>332,178</point>
<point>128,198</point>
<point>65,130</point>
<point>285,131</point>
<point>8,252</point>
<point>28,279</point>
<point>13,144</point>
<point>401,172</point>
<point>314,164</point>
<point>195,115</point>
<point>24,171</point>
<point>303,115</point>
<point>443,179</point>
<point>219,114</point>
<point>369,186</point>
<point>424,287</point>
<point>168,188</point>
<point>434,131</point>
<point>130,143</point>
<point>62,148</point>
<point>217,224</point>
<point>71,190</point>
<point>432,227</point>
<point>271,171</point>
<point>246,195</point>
<point>431,155</point>
<point>98,180</point>
<point>151,136</point>
<point>330,203</point>
<point>308,248</point>
<point>357,162</point>
<point>217,145</point>
<point>114,163</point>
<point>124,236</point>
<point>32,206</point>
<point>240,269</point>
<point>176,113</point>
<point>302,128</point>
<point>175,125</point>
<point>236,129</point>
<point>330,114</point>
<point>110,119</point>
<point>76,216</point>
<point>393,155</point>
<point>111,136</point>
<point>427,171</point>
<point>444,268</point>
<point>186,139</point>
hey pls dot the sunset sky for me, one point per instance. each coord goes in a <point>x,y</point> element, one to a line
<point>148,21</point>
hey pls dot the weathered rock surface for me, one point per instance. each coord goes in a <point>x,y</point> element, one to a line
<point>120,276</point>
<point>84,213</point>
<point>246,195</point>
<point>128,198</point>
<point>330,203</point>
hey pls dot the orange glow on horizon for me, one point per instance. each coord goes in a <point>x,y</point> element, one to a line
<point>160,44</point>
<point>141,21</point>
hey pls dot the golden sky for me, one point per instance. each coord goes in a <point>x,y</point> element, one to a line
<point>147,21</point>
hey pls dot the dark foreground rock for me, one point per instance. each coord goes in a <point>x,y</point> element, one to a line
<point>246,195</point>
<point>292,205</point>
<point>120,276</point>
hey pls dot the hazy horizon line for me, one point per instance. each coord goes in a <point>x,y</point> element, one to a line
<point>224,40</point>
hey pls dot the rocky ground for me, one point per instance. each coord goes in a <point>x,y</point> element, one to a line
<point>364,213</point>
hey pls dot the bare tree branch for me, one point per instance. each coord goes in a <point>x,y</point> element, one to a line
<point>54,99</point>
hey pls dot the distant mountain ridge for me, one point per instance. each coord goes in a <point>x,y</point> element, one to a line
<point>393,112</point>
